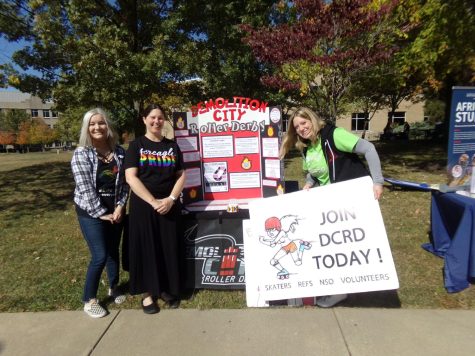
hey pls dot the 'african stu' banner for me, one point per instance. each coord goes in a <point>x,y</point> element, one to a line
<point>327,240</point>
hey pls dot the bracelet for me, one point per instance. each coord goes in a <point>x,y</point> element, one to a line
<point>172,197</point>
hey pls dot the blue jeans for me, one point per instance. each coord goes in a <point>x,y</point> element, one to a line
<point>103,240</point>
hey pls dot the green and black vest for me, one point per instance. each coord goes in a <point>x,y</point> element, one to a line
<point>341,165</point>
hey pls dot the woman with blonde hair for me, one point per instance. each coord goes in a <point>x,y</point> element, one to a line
<point>100,197</point>
<point>330,155</point>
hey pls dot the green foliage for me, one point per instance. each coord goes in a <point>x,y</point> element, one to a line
<point>224,64</point>
<point>109,54</point>
<point>11,120</point>
<point>435,110</point>
<point>68,126</point>
<point>3,77</point>
<point>437,54</point>
<point>331,55</point>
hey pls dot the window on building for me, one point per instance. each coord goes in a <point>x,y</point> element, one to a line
<point>358,120</point>
<point>34,112</point>
<point>54,113</point>
<point>398,118</point>
<point>46,113</point>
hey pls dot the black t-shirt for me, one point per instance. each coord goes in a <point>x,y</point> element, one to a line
<point>106,176</point>
<point>157,164</point>
<point>105,183</point>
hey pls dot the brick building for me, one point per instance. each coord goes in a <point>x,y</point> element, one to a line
<point>407,112</point>
<point>33,106</point>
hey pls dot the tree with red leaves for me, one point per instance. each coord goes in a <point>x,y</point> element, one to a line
<point>324,48</point>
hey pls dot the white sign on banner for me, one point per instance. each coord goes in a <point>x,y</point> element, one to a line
<point>323,241</point>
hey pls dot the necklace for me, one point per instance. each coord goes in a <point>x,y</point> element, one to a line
<point>106,158</point>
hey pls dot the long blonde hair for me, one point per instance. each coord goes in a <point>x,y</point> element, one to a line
<point>85,138</point>
<point>292,139</point>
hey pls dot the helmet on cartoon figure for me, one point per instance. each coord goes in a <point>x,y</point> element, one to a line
<point>273,223</point>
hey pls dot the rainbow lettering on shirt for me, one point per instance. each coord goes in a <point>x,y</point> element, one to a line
<point>157,158</point>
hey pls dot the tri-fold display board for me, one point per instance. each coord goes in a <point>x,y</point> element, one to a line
<point>231,152</point>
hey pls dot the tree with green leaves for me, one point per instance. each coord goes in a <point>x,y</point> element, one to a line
<point>68,127</point>
<point>11,120</point>
<point>3,77</point>
<point>113,54</point>
<point>366,91</point>
<point>223,62</point>
<point>443,47</point>
<point>434,110</point>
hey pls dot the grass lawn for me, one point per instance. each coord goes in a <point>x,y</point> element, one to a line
<point>43,256</point>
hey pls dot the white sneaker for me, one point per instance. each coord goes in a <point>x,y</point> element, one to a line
<point>119,298</point>
<point>328,301</point>
<point>94,309</point>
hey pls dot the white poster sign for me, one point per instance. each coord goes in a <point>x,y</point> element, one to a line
<point>270,147</point>
<point>323,241</point>
<point>272,168</point>
<point>247,145</point>
<point>217,146</point>
<point>245,180</point>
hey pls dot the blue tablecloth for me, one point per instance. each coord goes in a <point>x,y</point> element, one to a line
<point>453,237</point>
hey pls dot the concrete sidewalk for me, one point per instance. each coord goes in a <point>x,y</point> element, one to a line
<point>273,331</point>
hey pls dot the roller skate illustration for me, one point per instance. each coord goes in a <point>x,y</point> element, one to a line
<point>278,232</point>
<point>304,245</point>
<point>284,274</point>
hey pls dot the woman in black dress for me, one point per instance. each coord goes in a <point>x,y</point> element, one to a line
<point>154,171</point>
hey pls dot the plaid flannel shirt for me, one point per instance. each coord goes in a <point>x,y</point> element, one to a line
<point>84,166</point>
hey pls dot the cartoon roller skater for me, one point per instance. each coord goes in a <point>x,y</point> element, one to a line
<point>277,231</point>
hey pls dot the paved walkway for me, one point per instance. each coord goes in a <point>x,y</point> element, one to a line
<point>273,331</point>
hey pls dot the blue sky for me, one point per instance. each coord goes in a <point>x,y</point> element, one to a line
<point>7,49</point>
<point>6,52</point>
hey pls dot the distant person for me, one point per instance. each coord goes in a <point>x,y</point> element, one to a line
<point>100,197</point>
<point>388,130</point>
<point>154,170</point>
<point>406,130</point>
<point>320,142</point>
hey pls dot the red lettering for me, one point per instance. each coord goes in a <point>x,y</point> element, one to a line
<point>254,105</point>
<point>220,103</point>
<point>216,117</point>
<point>241,113</point>
<point>263,107</point>
<point>209,105</point>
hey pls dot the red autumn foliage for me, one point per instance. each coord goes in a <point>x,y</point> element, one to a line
<point>7,138</point>
<point>330,35</point>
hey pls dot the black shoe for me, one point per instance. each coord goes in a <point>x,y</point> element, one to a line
<point>167,298</point>
<point>150,309</point>
<point>172,301</point>
<point>174,304</point>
